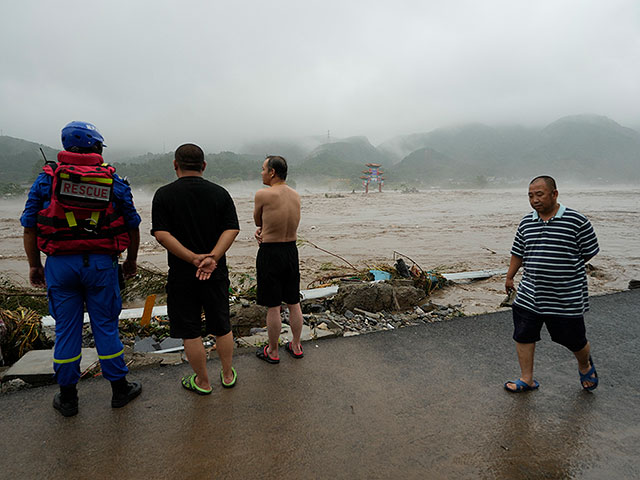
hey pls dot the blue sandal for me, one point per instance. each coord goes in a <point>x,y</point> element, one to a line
<point>590,376</point>
<point>521,386</point>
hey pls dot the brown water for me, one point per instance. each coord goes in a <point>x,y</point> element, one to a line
<point>447,230</point>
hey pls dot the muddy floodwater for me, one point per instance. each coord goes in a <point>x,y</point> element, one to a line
<point>444,230</point>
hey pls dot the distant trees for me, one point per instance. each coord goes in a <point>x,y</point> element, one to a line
<point>221,167</point>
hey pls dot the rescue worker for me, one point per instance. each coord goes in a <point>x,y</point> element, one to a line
<point>81,215</point>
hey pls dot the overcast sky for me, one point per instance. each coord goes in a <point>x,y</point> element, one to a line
<point>154,74</point>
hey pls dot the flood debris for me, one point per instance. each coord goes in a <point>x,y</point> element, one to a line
<point>147,281</point>
<point>13,385</point>
<point>350,303</point>
<point>13,296</point>
<point>23,332</point>
<point>246,317</point>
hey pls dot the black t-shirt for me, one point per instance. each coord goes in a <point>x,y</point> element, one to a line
<point>196,212</point>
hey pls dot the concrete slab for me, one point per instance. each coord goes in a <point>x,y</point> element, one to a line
<point>170,343</point>
<point>36,366</point>
<point>146,345</point>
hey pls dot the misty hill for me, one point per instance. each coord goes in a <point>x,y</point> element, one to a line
<point>223,167</point>
<point>21,160</point>
<point>295,150</point>
<point>427,165</point>
<point>584,147</point>
<point>476,143</point>
<point>588,147</point>
<point>342,159</point>
<point>581,147</point>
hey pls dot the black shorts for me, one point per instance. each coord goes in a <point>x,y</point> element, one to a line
<point>567,331</point>
<point>278,274</point>
<point>187,299</point>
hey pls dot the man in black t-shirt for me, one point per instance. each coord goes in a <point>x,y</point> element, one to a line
<point>196,221</point>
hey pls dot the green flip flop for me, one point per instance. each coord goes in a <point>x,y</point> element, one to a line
<point>189,382</point>
<point>232,383</point>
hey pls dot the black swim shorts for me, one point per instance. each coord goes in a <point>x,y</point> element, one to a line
<point>567,331</point>
<point>278,274</point>
<point>187,298</point>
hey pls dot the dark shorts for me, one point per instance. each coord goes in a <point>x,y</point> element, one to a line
<point>567,331</point>
<point>278,274</point>
<point>187,299</point>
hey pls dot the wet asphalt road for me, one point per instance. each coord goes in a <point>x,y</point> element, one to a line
<point>420,402</point>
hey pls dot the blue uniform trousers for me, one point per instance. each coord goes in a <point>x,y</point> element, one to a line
<point>72,282</point>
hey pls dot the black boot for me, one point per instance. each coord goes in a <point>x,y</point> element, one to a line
<point>124,392</point>
<point>66,400</point>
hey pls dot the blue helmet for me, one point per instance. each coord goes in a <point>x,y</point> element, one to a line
<point>81,134</point>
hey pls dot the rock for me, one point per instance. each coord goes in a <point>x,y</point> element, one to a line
<point>633,284</point>
<point>316,308</point>
<point>375,297</point>
<point>244,302</point>
<point>243,319</point>
<point>14,385</point>
<point>348,314</point>
<point>255,331</point>
<point>367,314</point>
<point>332,323</point>
<point>427,307</point>
<point>409,296</point>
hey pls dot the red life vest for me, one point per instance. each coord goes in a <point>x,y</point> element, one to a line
<point>81,217</point>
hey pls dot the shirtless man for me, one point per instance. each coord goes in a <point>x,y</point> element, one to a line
<point>277,215</point>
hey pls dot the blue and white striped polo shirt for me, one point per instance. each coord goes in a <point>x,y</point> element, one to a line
<point>554,252</point>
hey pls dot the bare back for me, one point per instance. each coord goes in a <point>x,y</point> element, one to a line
<point>277,211</point>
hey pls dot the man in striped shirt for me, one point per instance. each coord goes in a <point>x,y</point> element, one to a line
<point>552,244</point>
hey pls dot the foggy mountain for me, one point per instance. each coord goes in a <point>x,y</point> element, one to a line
<point>428,165</point>
<point>580,147</point>
<point>587,146</point>
<point>350,150</point>
<point>20,159</point>
<point>473,143</point>
<point>295,150</point>
<point>345,158</point>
